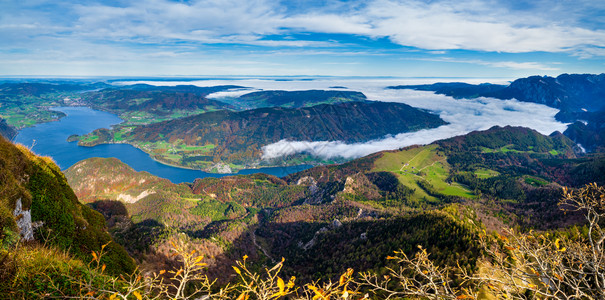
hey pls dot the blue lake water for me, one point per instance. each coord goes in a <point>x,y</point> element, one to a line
<point>50,139</point>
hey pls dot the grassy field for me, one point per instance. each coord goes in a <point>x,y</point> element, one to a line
<point>535,181</point>
<point>144,117</point>
<point>508,148</point>
<point>178,153</point>
<point>28,115</point>
<point>486,173</point>
<point>24,111</point>
<point>422,163</point>
<point>89,138</point>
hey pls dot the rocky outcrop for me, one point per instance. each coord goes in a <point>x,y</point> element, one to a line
<point>315,193</point>
<point>334,225</point>
<point>349,184</point>
<point>7,131</point>
<point>132,199</point>
<point>24,222</point>
<point>306,180</point>
<point>360,185</point>
<point>221,168</point>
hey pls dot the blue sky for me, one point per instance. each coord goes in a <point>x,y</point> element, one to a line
<point>479,38</point>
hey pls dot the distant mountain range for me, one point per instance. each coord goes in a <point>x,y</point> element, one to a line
<point>580,97</point>
<point>154,101</point>
<point>142,103</point>
<point>457,90</point>
<point>193,89</point>
<point>8,90</point>
<point>295,99</point>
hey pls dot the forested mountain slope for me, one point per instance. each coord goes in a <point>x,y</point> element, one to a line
<point>238,137</point>
<point>294,99</point>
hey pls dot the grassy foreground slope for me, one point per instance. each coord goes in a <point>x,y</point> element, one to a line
<point>37,204</point>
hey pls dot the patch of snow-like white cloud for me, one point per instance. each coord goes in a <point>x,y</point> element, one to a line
<point>232,93</point>
<point>462,115</point>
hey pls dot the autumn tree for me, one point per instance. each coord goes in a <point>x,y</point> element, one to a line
<point>516,266</point>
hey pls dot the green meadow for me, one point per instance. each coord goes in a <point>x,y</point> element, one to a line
<point>422,164</point>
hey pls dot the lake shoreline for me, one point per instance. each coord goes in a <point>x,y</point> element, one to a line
<point>51,140</point>
<point>194,169</point>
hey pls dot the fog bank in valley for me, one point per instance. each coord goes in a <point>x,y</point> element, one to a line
<point>463,115</point>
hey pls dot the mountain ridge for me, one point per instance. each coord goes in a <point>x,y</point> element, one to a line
<point>296,99</point>
<point>579,97</point>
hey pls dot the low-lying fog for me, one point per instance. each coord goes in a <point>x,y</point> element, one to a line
<point>463,116</point>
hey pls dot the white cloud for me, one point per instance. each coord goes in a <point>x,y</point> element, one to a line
<point>483,26</point>
<point>157,20</point>
<point>191,33</point>
<point>528,65</point>
<point>330,23</point>
<point>233,93</point>
<point>437,25</point>
<point>464,116</point>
